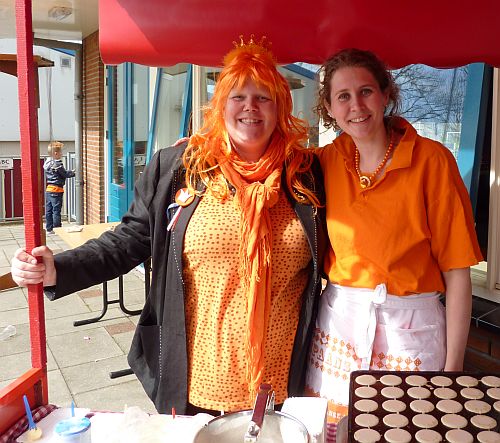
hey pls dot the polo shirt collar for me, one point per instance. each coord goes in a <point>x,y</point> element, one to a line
<point>404,150</point>
<point>345,147</point>
<point>402,154</point>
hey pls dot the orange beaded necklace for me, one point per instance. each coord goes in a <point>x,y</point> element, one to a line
<point>365,181</point>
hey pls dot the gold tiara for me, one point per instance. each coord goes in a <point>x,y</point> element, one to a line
<point>263,42</point>
<point>252,46</point>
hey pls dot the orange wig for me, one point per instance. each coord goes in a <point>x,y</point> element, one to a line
<point>253,62</point>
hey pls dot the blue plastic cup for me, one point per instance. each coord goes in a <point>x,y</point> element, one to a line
<point>74,430</point>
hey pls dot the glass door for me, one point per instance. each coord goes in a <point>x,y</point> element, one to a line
<point>128,127</point>
<point>116,135</point>
<point>139,124</point>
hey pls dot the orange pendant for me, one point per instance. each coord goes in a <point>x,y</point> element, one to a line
<point>365,182</point>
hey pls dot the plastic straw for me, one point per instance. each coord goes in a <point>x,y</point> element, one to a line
<point>72,408</point>
<point>28,413</point>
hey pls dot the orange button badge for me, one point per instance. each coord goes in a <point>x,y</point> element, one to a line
<point>183,197</point>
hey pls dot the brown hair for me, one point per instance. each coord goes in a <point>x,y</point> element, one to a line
<point>55,147</point>
<point>356,58</point>
<point>254,62</point>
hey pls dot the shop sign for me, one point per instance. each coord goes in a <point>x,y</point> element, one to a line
<point>6,163</point>
<point>139,160</point>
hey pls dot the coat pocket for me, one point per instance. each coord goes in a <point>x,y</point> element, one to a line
<point>144,357</point>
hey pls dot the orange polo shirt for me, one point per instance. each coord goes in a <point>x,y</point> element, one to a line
<point>215,303</point>
<point>412,224</point>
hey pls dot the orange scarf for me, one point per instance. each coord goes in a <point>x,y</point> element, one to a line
<point>254,199</point>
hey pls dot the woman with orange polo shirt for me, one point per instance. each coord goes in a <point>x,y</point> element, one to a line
<point>401,231</point>
<point>234,225</point>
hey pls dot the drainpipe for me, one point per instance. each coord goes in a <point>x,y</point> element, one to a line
<point>77,47</point>
<point>78,136</point>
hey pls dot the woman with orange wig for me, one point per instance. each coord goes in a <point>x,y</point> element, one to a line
<point>233,223</point>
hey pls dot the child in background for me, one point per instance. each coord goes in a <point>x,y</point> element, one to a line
<point>56,175</point>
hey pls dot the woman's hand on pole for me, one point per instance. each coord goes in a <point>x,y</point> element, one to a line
<point>26,270</point>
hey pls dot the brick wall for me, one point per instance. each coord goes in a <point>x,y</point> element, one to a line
<point>93,131</point>
<point>483,350</point>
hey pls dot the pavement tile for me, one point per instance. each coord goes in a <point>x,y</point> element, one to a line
<point>129,283</point>
<point>12,299</point>
<point>88,293</point>
<point>5,383</point>
<point>58,389</point>
<point>112,398</point>
<point>124,340</point>
<point>130,298</point>
<point>14,317</point>
<point>18,343</point>
<point>95,304</point>
<point>119,328</point>
<point>62,307</point>
<point>4,263</point>
<point>61,244</point>
<point>136,307</point>
<point>12,366</point>
<point>9,242</point>
<point>9,250</point>
<point>51,361</point>
<point>4,267</point>
<point>74,349</point>
<point>18,234</point>
<point>64,325</point>
<point>95,375</point>
<point>134,297</point>
<point>52,242</point>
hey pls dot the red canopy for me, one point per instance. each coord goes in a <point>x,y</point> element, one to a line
<point>440,33</point>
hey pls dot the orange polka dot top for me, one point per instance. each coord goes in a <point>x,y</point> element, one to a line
<point>215,303</point>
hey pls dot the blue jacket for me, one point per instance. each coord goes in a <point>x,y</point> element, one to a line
<point>55,172</point>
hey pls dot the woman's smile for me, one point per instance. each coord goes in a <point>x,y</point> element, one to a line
<point>357,103</point>
<point>250,116</point>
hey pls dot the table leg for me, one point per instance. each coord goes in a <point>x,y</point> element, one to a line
<point>120,299</point>
<point>147,284</point>
<point>104,308</point>
<point>120,373</point>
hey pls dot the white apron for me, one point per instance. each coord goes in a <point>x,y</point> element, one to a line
<point>364,329</point>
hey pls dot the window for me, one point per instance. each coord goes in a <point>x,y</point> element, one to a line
<point>171,105</point>
<point>65,62</point>
<point>453,106</point>
<point>433,101</point>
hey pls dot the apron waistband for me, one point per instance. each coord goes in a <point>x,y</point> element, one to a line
<point>380,296</point>
<point>366,301</point>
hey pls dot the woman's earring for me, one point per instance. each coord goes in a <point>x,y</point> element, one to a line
<point>335,126</point>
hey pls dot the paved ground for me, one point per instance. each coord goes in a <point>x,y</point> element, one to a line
<point>79,358</point>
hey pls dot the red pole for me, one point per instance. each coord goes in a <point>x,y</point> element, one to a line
<point>30,167</point>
